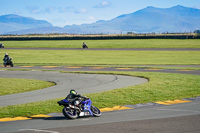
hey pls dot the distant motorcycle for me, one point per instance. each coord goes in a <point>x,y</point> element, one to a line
<point>1,45</point>
<point>8,62</point>
<point>84,46</point>
<point>78,108</point>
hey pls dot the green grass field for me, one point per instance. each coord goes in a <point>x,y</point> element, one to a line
<point>99,58</point>
<point>12,85</point>
<point>125,43</point>
<point>85,58</point>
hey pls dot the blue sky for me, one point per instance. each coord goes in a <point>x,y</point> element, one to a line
<point>68,12</point>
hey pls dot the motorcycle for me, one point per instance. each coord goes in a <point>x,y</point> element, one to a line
<point>1,45</point>
<point>85,46</point>
<point>78,108</point>
<point>8,62</point>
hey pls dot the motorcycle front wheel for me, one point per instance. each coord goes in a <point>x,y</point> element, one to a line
<point>96,112</point>
<point>69,113</point>
<point>11,64</point>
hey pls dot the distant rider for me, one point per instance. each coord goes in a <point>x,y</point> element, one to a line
<point>84,45</point>
<point>6,58</point>
<point>1,45</point>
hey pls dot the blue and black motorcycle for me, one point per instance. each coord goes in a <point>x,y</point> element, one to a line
<point>79,107</point>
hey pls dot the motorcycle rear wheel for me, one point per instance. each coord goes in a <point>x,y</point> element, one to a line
<point>69,113</point>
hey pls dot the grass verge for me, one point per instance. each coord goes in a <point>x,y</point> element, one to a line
<point>85,58</point>
<point>118,43</point>
<point>13,85</point>
<point>161,87</point>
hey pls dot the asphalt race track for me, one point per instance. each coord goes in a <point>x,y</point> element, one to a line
<point>82,83</point>
<point>176,118</point>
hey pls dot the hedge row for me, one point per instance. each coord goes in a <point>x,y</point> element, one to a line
<point>83,37</point>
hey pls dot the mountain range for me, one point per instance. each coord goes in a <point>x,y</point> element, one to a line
<point>12,22</point>
<point>150,19</point>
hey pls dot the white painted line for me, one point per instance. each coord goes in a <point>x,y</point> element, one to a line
<point>37,130</point>
<point>179,110</point>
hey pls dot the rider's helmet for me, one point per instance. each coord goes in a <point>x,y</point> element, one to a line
<point>6,54</point>
<point>73,92</point>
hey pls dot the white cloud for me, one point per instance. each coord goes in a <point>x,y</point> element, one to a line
<point>103,4</point>
<point>91,18</point>
<point>33,9</point>
<point>17,12</point>
<point>65,9</point>
<point>81,11</point>
<point>49,9</point>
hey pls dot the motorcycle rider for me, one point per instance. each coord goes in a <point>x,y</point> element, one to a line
<point>73,96</point>
<point>84,45</point>
<point>81,106</point>
<point>6,58</point>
